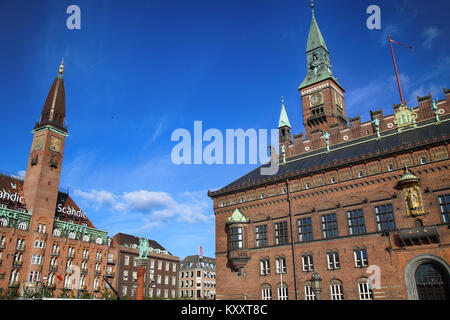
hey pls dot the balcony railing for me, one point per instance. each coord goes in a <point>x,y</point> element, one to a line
<point>96,289</point>
<point>55,253</point>
<point>13,284</point>
<point>111,261</point>
<point>20,247</point>
<point>83,270</point>
<point>17,264</point>
<point>83,287</point>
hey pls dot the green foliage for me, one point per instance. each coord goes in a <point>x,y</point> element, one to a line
<point>10,294</point>
<point>107,294</point>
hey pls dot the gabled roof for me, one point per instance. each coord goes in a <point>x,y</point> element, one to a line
<point>14,185</point>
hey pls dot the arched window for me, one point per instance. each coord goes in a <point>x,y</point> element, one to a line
<point>3,222</point>
<point>72,235</point>
<point>57,232</point>
<point>86,238</point>
<point>67,284</point>
<point>266,292</point>
<point>336,290</point>
<point>22,226</point>
<point>282,290</point>
<point>309,293</point>
<point>424,275</point>
<point>365,289</point>
<point>264,266</point>
<point>99,240</point>
<point>432,282</point>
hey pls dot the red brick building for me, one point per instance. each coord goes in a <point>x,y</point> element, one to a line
<point>365,205</point>
<point>161,271</point>
<point>45,238</point>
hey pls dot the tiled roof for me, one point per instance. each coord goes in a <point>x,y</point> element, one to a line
<point>129,240</point>
<point>342,154</point>
<point>192,262</point>
<point>14,185</point>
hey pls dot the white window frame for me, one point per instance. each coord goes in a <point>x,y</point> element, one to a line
<point>280,265</point>
<point>266,293</point>
<point>282,291</point>
<point>364,290</point>
<point>336,291</point>
<point>361,261</point>
<point>264,267</point>
<point>309,293</point>
<point>332,262</point>
<point>308,264</point>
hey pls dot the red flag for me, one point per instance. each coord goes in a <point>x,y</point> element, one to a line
<point>200,251</point>
<point>402,44</point>
<point>59,277</point>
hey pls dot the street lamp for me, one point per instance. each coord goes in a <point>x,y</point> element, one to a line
<point>316,284</point>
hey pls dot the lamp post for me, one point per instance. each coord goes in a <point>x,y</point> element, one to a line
<point>316,284</point>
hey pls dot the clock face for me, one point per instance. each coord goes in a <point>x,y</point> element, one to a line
<point>55,144</point>
<point>337,99</point>
<point>38,143</point>
<point>315,99</point>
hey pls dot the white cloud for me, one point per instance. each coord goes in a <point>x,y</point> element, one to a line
<point>151,208</point>
<point>429,33</point>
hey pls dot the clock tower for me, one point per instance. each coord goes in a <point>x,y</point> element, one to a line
<point>41,184</point>
<point>322,95</point>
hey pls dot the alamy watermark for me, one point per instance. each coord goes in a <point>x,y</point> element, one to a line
<point>230,148</point>
<point>74,20</point>
<point>374,20</point>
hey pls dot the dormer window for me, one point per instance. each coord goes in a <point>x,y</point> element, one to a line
<point>423,160</point>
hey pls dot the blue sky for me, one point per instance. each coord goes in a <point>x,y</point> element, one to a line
<point>138,70</point>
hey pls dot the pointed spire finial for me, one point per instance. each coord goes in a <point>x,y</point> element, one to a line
<point>282,100</point>
<point>61,67</point>
<point>312,6</point>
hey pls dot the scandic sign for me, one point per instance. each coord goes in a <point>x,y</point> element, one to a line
<point>16,197</point>
<point>71,211</point>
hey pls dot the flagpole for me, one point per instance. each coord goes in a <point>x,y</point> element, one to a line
<point>396,71</point>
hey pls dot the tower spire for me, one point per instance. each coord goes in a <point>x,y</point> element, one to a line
<point>61,67</point>
<point>284,120</point>
<point>54,110</point>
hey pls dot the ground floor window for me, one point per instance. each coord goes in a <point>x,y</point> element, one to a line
<point>266,292</point>
<point>282,291</point>
<point>365,290</point>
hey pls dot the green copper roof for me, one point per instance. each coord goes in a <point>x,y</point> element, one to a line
<point>317,56</point>
<point>408,176</point>
<point>237,217</point>
<point>311,79</point>
<point>284,120</point>
<point>315,38</point>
